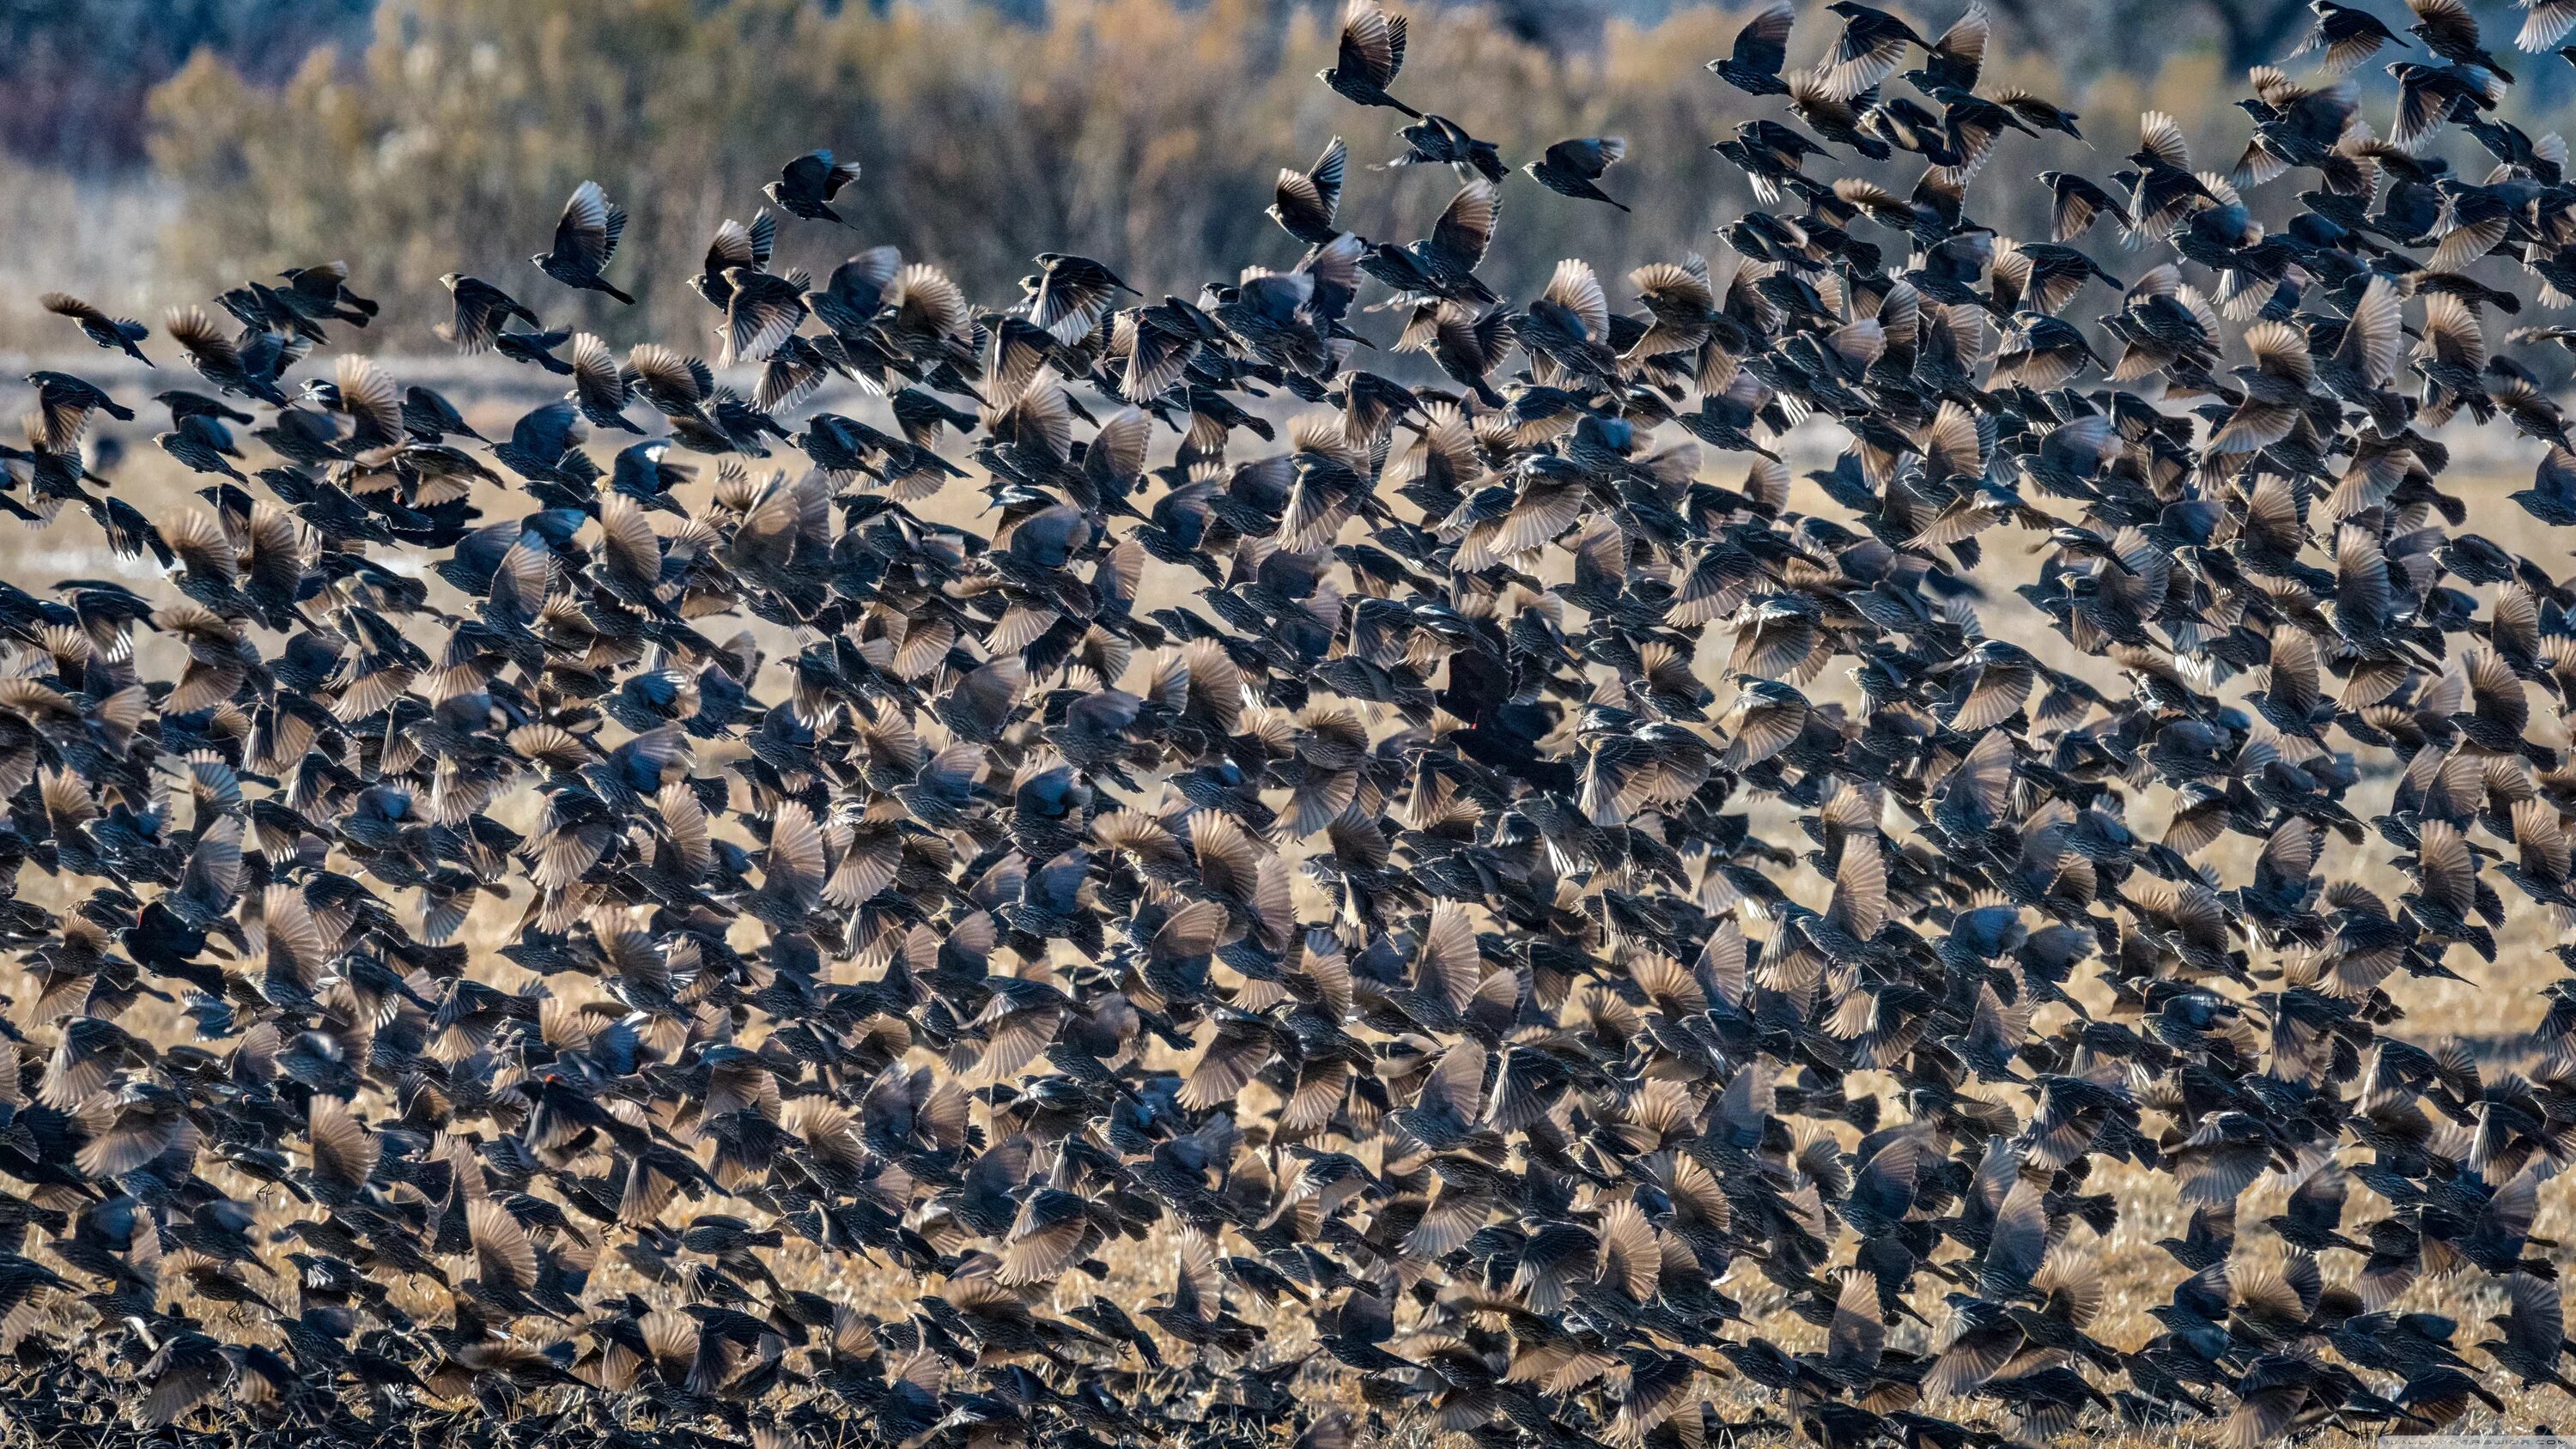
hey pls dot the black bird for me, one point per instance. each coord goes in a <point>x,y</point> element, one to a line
<point>2076,202</point>
<point>805,186</point>
<point>1372,52</point>
<point>1871,47</point>
<point>1572,167</point>
<point>1444,263</point>
<point>585,242</point>
<point>1761,48</point>
<point>1307,200</point>
<point>1439,141</point>
<point>2347,34</point>
<point>2448,30</point>
<point>735,245</point>
<point>482,310</point>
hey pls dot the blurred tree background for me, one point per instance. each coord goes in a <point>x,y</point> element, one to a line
<point>154,150</point>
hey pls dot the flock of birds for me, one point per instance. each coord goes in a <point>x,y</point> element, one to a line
<point>1396,937</point>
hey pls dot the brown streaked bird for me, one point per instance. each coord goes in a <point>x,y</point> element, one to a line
<point>116,334</point>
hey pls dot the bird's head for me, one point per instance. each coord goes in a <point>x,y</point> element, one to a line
<point>450,280</point>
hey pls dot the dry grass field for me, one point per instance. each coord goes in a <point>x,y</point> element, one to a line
<point>2494,1008</point>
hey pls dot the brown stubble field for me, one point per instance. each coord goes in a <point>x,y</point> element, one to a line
<point>2494,1007</point>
